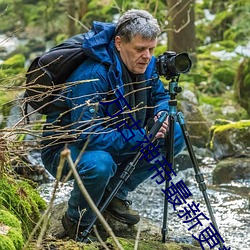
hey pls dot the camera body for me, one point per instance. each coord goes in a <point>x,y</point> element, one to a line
<point>171,65</point>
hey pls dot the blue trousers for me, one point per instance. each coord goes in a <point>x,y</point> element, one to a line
<point>100,170</point>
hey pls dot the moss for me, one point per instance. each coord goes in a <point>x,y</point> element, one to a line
<point>93,246</point>
<point>16,61</point>
<point>214,101</point>
<point>222,122</point>
<point>219,103</point>
<point>128,244</point>
<point>235,125</point>
<point>6,96</point>
<point>13,71</point>
<point>21,199</point>
<point>9,219</point>
<point>16,237</point>
<point>6,243</point>
<point>13,239</point>
<point>225,75</point>
<point>229,45</point>
<point>65,245</point>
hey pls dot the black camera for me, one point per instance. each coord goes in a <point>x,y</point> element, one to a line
<point>170,64</point>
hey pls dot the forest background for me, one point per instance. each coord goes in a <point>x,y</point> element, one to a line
<point>214,33</point>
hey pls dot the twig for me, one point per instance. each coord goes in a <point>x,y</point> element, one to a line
<point>99,238</point>
<point>77,21</point>
<point>66,154</point>
<point>137,236</point>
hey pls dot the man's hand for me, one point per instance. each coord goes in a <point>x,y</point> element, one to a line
<point>164,128</point>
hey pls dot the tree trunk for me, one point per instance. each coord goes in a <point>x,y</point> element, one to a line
<point>71,6</point>
<point>181,27</point>
<point>83,7</point>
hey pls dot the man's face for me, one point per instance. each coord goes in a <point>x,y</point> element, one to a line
<point>137,53</point>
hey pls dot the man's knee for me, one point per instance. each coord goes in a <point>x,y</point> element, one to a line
<point>97,165</point>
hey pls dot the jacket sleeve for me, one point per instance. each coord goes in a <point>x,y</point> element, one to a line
<point>90,122</point>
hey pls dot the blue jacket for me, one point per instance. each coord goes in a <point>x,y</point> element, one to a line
<point>87,118</point>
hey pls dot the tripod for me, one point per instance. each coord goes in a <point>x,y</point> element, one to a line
<point>173,90</point>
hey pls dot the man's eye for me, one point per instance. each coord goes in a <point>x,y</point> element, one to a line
<point>139,50</point>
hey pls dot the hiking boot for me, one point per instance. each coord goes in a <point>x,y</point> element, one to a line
<point>75,231</point>
<point>121,211</point>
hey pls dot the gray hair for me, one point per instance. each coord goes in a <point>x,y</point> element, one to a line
<point>137,22</point>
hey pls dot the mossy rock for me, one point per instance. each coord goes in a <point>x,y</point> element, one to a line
<point>219,107</point>
<point>22,200</point>
<point>128,244</point>
<point>16,61</point>
<point>212,75</point>
<point>13,70</point>
<point>11,237</point>
<point>224,75</point>
<point>232,139</point>
<point>13,65</point>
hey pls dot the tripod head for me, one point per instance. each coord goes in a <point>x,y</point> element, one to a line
<point>174,89</point>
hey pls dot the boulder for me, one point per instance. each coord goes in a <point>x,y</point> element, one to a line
<point>150,235</point>
<point>197,125</point>
<point>231,169</point>
<point>231,139</point>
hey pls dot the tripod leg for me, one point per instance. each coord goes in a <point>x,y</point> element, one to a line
<point>198,175</point>
<point>164,229</point>
<point>170,160</point>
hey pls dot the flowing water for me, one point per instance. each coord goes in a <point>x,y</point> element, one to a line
<point>230,204</point>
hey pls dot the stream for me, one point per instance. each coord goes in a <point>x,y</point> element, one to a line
<point>230,203</point>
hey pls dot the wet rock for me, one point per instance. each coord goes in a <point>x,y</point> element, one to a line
<point>231,169</point>
<point>190,96</point>
<point>183,160</point>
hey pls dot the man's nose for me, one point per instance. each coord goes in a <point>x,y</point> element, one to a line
<point>146,54</point>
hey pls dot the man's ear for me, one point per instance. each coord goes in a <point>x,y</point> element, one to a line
<point>118,42</point>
